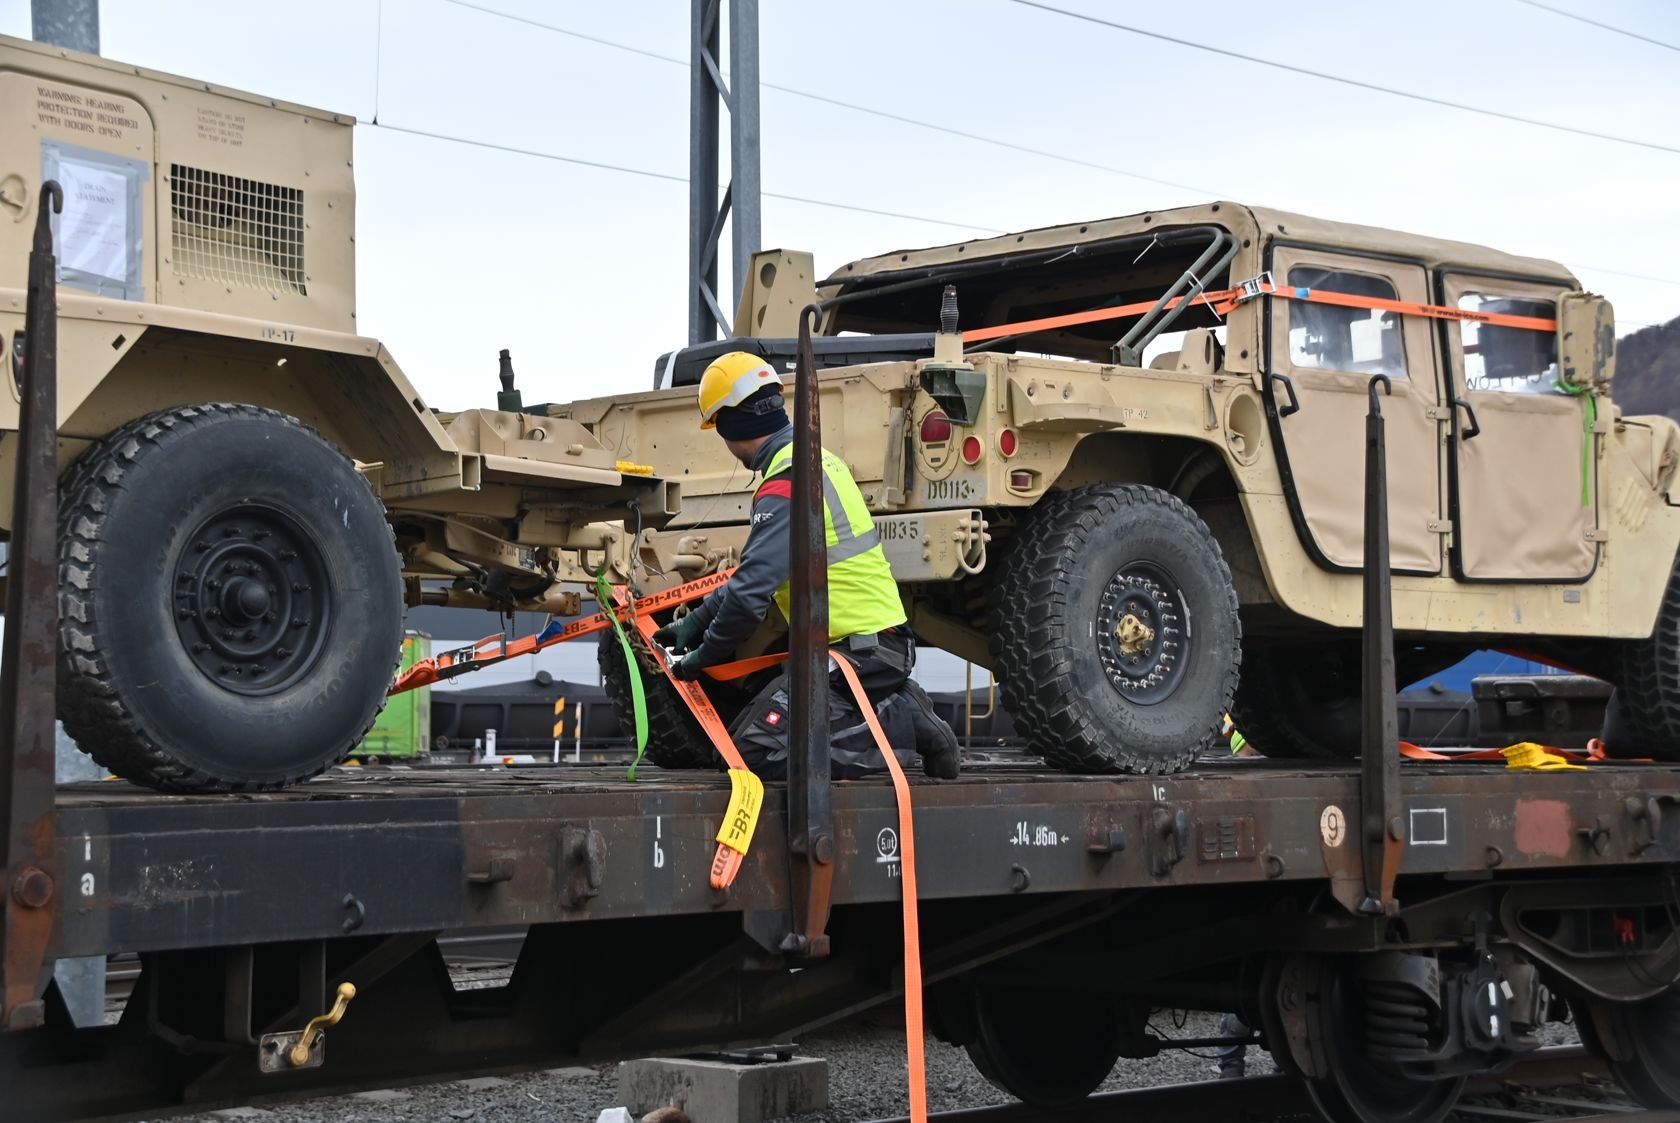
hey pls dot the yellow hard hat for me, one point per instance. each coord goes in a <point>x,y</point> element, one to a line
<point>731,380</point>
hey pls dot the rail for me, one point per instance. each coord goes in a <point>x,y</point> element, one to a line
<point>1254,1099</point>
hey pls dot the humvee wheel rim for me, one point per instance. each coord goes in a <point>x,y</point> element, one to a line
<point>1143,632</point>
<point>252,603</point>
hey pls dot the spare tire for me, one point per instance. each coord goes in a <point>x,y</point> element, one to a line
<point>232,601</point>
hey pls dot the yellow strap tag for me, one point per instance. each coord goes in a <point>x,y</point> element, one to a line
<point>746,797</point>
<point>1527,754</point>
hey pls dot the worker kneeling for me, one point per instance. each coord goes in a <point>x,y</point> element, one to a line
<point>741,397</point>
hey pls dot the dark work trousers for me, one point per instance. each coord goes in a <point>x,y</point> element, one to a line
<point>883,662</point>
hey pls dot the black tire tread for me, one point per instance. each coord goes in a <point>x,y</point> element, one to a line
<point>1648,683</point>
<point>1035,675</point>
<point>1266,724</point>
<point>675,739</point>
<point>89,704</point>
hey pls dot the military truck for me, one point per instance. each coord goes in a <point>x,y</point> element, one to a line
<point>251,490</point>
<point>1130,479</point>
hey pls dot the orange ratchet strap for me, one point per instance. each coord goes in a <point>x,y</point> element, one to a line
<point>748,789</point>
<point>1223,301</point>
<point>913,1038</point>
<point>1266,287</point>
<point>497,649</point>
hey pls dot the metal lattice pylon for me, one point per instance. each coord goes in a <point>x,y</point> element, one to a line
<point>709,96</point>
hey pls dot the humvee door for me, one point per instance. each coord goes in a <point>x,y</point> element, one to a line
<point>1327,355</point>
<point>1524,488</point>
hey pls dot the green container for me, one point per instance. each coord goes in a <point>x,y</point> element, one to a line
<point>403,729</point>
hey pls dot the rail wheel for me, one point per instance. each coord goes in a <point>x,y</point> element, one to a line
<point>1047,1053</point>
<point>1645,1057</point>
<point>1357,1088</point>
<point>232,601</point>
<point>1114,626</point>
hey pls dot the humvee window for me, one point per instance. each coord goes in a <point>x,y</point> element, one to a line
<point>1326,337</point>
<point>1508,360</point>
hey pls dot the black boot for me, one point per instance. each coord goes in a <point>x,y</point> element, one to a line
<point>941,754</point>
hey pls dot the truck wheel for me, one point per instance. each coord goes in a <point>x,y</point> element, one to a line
<point>1644,711</point>
<point>232,601</point>
<point>675,739</point>
<point>1296,703</point>
<point>1115,632</point>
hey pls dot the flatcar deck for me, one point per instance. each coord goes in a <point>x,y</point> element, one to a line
<point>377,851</point>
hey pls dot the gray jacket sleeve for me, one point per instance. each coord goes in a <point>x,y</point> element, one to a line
<point>733,612</point>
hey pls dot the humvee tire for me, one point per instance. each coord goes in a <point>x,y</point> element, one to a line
<point>232,601</point>
<point>675,739</point>
<point>1087,564</point>
<point>1643,717</point>
<point>1299,703</point>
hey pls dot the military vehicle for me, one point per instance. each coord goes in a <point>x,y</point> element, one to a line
<point>1137,470</point>
<point>1130,480</point>
<point>251,489</point>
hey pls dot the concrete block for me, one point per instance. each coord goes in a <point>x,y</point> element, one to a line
<point>380,1096</point>
<point>724,1092</point>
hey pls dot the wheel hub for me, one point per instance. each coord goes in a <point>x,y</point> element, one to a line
<point>252,603</point>
<point>1143,632</point>
<point>1134,635</point>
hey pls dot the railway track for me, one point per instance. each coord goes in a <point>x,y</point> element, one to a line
<point>1557,1083</point>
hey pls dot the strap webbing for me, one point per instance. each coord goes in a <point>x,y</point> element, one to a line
<point>1223,301</point>
<point>632,668</point>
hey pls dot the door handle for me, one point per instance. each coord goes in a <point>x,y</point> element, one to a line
<point>1294,405</point>
<point>1470,411</point>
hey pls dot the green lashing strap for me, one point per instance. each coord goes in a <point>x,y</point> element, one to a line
<point>1591,406</point>
<point>638,697</point>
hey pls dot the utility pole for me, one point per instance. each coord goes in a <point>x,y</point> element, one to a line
<point>66,23</point>
<point>710,97</point>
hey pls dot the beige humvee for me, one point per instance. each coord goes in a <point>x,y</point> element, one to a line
<point>232,599</point>
<point>1103,511</point>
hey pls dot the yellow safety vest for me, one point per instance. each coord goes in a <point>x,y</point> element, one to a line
<point>862,595</point>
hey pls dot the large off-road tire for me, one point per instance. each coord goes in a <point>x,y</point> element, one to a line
<point>232,601</point>
<point>1645,709</point>
<point>675,739</point>
<point>1302,702</point>
<point>1089,689</point>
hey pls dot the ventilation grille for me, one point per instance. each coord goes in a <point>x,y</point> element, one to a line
<point>239,232</point>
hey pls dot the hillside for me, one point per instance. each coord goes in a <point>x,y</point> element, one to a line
<point>1648,371</point>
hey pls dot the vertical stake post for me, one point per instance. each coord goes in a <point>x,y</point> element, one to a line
<point>1382,833</point>
<point>28,653</point>
<point>810,809</point>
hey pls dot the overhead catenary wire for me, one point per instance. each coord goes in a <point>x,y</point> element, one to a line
<point>824,99</point>
<point>1596,23</point>
<point>918,123</point>
<point>602,165</point>
<point>1358,83</point>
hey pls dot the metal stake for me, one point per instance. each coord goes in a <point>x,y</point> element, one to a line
<point>28,652</point>
<point>810,811</point>
<point>1382,833</point>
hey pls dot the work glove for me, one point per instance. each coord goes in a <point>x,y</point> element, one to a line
<point>681,635</point>
<point>688,667</point>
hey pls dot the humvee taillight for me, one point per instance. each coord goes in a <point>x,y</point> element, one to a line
<point>972,450</point>
<point>1006,443</point>
<point>936,428</point>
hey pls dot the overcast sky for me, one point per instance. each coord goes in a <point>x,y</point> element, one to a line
<point>581,271</point>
